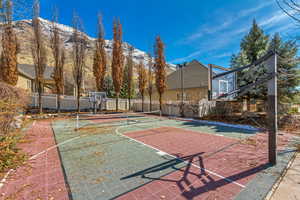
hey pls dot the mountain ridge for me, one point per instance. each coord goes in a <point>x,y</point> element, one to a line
<point>23,29</point>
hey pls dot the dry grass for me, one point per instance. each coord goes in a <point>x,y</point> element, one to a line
<point>290,123</point>
<point>249,141</point>
<point>93,130</point>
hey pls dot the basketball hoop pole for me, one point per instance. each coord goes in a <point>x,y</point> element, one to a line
<point>210,72</point>
<point>272,110</point>
<point>272,113</point>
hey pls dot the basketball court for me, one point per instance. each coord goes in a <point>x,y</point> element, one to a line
<point>146,156</point>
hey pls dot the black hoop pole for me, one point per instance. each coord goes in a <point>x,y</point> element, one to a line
<point>210,72</point>
<point>272,110</point>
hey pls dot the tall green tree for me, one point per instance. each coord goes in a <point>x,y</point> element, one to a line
<point>256,44</point>
<point>127,89</point>
<point>109,86</point>
<point>288,68</point>
<point>253,46</point>
<point>124,93</point>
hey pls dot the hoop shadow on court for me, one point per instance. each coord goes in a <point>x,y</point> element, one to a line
<point>187,187</point>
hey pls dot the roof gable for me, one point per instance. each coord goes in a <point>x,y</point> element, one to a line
<point>29,71</point>
<point>195,75</point>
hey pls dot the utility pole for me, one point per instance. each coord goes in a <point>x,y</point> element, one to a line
<point>180,66</point>
<point>181,78</point>
<point>210,78</point>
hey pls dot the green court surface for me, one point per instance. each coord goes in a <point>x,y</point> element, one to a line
<point>116,155</point>
<point>97,158</point>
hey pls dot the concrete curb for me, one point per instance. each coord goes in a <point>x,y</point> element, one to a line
<point>279,180</point>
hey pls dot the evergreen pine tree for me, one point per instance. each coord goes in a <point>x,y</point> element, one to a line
<point>124,93</point>
<point>288,71</point>
<point>109,87</point>
<point>254,45</point>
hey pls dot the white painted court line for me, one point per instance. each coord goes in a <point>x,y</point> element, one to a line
<point>5,177</point>
<point>2,182</point>
<point>55,146</point>
<point>161,153</point>
<point>211,172</point>
<point>75,138</point>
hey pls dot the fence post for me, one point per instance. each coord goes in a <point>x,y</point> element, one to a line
<point>272,109</point>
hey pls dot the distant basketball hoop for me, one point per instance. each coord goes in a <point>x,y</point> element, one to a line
<point>97,98</point>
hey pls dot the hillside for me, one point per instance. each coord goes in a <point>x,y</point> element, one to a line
<point>23,29</point>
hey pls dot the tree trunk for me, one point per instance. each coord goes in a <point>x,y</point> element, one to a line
<point>160,102</point>
<point>129,101</point>
<point>117,102</point>
<point>142,103</point>
<point>150,97</point>
<point>40,97</point>
<point>58,103</point>
<point>78,100</point>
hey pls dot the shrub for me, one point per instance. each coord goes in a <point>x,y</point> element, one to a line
<point>12,102</point>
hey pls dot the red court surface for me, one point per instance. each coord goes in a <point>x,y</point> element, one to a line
<point>41,177</point>
<point>218,167</point>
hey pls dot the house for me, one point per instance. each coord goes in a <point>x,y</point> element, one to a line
<point>191,81</point>
<point>26,78</point>
<point>194,81</point>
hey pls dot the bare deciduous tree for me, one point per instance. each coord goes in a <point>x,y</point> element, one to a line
<point>38,52</point>
<point>150,79</point>
<point>117,60</point>
<point>58,53</point>
<point>160,69</point>
<point>99,65</point>
<point>142,77</point>
<point>79,54</point>
<point>291,8</point>
<point>9,61</point>
<point>130,74</point>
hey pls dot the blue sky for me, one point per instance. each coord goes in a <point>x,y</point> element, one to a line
<point>209,31</point>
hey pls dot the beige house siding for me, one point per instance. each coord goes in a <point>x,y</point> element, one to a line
<point>190,94</point>
<point>28,85</point>
<point>24,83</point>
<point>195,84</point>
<point>195,75</point>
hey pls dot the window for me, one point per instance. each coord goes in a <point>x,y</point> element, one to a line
<point>223,87</point>
<point>29,85</point>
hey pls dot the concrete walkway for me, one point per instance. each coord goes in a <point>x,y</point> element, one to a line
<point>289,187</point>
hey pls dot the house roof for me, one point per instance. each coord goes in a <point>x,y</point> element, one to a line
<point>195,75</point>
<point>29,71</point>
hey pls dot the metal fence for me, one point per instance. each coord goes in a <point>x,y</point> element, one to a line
<point>69,103</point>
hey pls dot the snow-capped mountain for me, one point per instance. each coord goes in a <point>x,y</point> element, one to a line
<point>23,28</point>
